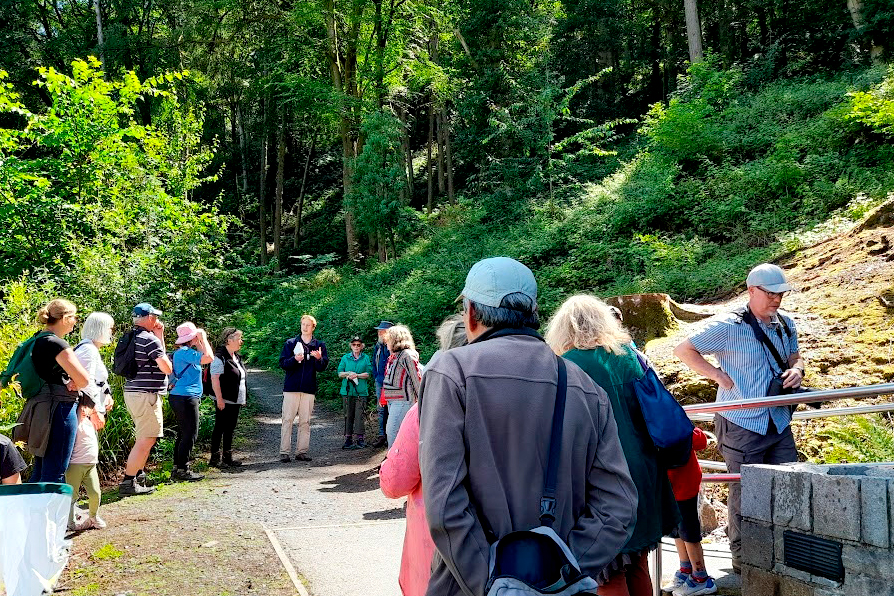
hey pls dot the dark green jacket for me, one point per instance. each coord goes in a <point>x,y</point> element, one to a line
<point>656,513</point>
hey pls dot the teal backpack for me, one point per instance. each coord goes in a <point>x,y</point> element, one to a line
<point>21,368</point>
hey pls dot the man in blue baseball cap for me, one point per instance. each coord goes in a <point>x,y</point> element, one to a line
<point>756,348</point>
<point>380,359</point>
<point>142,393</point>
<point>486,412</point>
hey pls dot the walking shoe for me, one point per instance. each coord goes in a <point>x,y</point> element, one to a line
<point>380,442</point>
<point>97,522</point>
<point>214,460</point>
<point>284,458</point>
<point>695,588</point>
<point>141,478</point>
<point>130,487</point>
<point>349,444</point>
<point>229,462</point>
<point>359,445</point>
<point>676,581</point>
<point>185,475</point>
<point>302,457</point>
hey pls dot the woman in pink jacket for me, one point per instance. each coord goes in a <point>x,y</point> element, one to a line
<point>399,477</point>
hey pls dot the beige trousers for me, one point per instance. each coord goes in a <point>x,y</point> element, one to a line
<point>300,405</point>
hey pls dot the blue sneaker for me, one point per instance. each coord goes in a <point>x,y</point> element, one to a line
<point>676,581</point>
<point>694,588</point>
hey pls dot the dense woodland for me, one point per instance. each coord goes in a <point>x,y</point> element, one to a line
<point>247,160</point>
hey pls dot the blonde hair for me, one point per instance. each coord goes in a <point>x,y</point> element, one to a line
<point>399,338</point>
<point>452,332</point>
<point>586,322</point>
<point>310,318</point>
<point>98,328</point>
<point>55,310</point>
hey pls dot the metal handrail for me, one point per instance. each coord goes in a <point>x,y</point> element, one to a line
<point>810,414</point>
<point>791,400</point>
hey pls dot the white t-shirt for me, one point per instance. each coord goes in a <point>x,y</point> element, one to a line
<point>89,357</point>
<point>86,446</point>
<point>217,368</point>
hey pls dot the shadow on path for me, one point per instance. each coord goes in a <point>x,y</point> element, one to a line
<point>356,482</point>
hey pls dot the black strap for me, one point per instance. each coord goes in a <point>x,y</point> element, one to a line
<point>749,318</point>
<point>548,500</point>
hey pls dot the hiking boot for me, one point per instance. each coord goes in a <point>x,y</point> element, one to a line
<point>360,445</point>
<point>380,442</point>
<point>676,581</point>
<point>185,475</point>
<point>693,587</point>
<point>214,460</point>
<point>130,487</point>
<point>229,462</point>
<point>349,444</point>
<point>302,457</point>
<point>285,458</point>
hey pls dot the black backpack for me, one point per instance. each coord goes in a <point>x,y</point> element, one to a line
<point>124,363</point>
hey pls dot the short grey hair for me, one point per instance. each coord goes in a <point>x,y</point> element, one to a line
<point>515,311</point>
<point>452,333</point>
<point>98,328</point>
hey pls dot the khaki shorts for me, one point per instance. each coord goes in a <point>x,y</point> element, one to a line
<point>145,409</point>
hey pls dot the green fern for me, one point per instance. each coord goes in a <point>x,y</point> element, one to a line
<point>861,439</point>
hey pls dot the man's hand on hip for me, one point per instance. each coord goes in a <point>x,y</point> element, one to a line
<point>723,379</point>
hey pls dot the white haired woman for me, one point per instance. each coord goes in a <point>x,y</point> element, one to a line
<point>96,333</point>
<point>585,331</point>
<point>400,389</point>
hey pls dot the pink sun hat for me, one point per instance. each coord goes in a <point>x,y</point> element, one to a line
<point>186,332</point>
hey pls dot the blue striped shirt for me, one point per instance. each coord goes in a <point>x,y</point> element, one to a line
<point>749,364</point>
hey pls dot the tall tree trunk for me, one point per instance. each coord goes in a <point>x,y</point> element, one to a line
<point>310,151</point>
<point>448,154</point>
<point>428,164</point>
<point>240,128</point>
<point>280,180</point>
<point>408,154</point>
<point>876,50</point>
<point>383,255</point>
<point>99,38</point>
<point>343,67</point>
<point>262,207</point>
<point>693,31</point>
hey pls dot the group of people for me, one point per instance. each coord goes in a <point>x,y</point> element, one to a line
<point>60,421</point>
<point>468,434</point>
<point>394,370</point>
<point>471,452</point>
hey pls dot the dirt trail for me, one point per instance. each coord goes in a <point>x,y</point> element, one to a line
<point>338,531</point>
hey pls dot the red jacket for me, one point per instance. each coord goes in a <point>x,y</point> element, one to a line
<point>686,479</point>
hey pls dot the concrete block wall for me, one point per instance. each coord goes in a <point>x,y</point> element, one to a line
<point>852,505</point>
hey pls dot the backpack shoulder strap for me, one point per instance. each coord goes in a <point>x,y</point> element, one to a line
<point>548,500</point>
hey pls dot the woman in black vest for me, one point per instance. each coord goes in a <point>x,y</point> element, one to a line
<point>228,382</point>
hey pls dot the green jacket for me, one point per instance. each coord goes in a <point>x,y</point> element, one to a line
<point>656,512</point>
<point>362,365</point>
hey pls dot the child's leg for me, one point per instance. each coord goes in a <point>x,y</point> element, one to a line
<point>685,561</point>
<point>74,475</point>
<point>94,493</point>
<point>696,557</point>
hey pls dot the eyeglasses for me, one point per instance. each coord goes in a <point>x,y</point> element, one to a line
<point>356,345</point>
<point>773,295</point>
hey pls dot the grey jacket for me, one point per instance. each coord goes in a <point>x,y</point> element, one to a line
<point>485,415</point>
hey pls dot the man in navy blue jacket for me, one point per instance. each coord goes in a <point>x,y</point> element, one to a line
<point>380,359</point>
<point>302,358</point>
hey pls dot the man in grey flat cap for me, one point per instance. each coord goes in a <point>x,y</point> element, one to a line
<point>486,412</point>
<point>757,349</point>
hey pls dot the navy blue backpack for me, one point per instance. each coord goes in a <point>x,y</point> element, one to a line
<point>666,421</point>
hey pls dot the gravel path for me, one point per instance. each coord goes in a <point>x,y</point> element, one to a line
<point>340,533</point>
<point>217,536</point>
